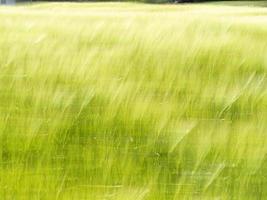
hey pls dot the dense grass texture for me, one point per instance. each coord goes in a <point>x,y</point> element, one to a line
<point>121,101</point>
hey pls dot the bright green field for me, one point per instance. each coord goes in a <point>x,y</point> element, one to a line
<point>121,101</point>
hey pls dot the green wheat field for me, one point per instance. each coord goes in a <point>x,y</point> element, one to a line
<point>129,101</point>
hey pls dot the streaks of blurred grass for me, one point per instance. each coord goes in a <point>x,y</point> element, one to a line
<point>130,101</point>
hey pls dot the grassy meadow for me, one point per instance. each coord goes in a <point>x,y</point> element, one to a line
<point>127,101</point>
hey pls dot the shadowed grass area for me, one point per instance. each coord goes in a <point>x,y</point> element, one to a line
<point>260,3</point>
<point>123,101</point>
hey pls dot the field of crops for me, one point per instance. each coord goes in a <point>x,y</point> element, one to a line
<point>125,101</point>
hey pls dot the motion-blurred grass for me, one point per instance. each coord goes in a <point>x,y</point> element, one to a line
<point>121,101</point>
